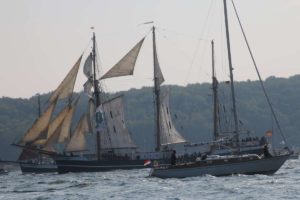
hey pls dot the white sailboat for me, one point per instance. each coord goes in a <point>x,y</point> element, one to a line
<point>239,163</point>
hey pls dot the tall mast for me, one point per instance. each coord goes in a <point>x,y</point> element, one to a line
<point>236,128</point>
<point>97,93</point>
<point>215,94</point>
<point>39,104</point>
<point>157,94</point>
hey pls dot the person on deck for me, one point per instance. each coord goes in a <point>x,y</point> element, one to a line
<point>173,158</point>
<point>266,152</point>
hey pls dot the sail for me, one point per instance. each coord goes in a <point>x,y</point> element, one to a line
<point>158,76</point>
<point>126,65</point>
<point>91,114</point>
<point>88,67</point>
<point>78,140</point>
<point>39,127</point>
<point>66,87</point>
<point>66,125</point>
<point>59,129</point>
<point>116,135</point>
<point>169,134</point>
<point>49,144</point>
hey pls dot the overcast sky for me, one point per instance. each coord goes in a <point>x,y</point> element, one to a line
<point>42,39</point>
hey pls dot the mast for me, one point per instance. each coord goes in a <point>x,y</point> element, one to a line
<point>97,93</point>
<point>215,94</point>
<point>157,94</point>
<point>39,104</point>
<point>236,128</point>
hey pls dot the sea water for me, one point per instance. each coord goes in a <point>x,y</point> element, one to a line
<point>136,184</point>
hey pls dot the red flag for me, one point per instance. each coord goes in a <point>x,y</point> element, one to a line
<point>147,162</point>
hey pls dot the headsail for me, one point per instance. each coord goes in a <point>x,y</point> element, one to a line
<point>169,134</point>
<point>66,87</point>
<point>126,65</point>
<point>39,126</point>
<point>116,135</point>
<point>78,140</point>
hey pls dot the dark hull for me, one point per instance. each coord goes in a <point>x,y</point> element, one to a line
<point>222,168</point>
<point>38,168</point>
<point>65,165</point>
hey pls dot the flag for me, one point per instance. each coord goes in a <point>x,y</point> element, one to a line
<point>147,162</point>
<point>269,133</point>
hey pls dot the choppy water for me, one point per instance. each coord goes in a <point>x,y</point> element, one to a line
<point>134,184</point>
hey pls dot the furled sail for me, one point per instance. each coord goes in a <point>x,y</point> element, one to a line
<point>66,87</point>
<point>169,134</point>
<point>116,135</point>
<point>39,126</point>
<point>78,140</point>
<point>126,65</point>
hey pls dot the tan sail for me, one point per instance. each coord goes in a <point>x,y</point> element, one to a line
<point>169,134</point>
<point>59,129</point>
<point>39,126</point>
<point>78,141</point>
<point>66,87</point>
<point>66,126</point>
<point>116,135</point>
<point>126,65</point>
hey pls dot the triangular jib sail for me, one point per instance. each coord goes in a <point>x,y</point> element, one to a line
<point>78,139</point>
<point>65,89</point>
<point>126,65</point>
<point>39,126</point>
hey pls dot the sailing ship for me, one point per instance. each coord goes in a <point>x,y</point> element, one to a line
<point>239,162</point>
<point>114,147</point>
<point>49,131</point>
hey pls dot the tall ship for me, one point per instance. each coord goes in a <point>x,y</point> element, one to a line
<point>51,131</point>
<point>114,147</point>
<point>238,162</point>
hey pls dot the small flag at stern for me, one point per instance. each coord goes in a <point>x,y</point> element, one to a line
<point>147,162</point>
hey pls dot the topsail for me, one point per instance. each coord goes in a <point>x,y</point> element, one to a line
<point>126,65</point>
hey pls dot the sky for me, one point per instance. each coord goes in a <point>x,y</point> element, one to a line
<point>42,39</point>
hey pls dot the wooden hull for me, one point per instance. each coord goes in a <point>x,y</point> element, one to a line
<point>222,168</point>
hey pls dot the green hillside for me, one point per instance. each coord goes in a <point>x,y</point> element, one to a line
<point>191,107</point>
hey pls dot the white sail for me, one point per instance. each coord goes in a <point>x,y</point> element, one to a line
<point>157,71</point>
<point>116,135</point>
<point>88,66</point>
<point>169,134</point>
<point>66,87</point>
<point>126,65</point>
<point>39,126</point>
<point>78,140</point>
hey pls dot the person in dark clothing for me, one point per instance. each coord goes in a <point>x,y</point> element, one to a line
<point>266,152</point>
<point>173,158</point>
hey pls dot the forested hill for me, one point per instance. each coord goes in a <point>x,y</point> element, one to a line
<point>191,107</point>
